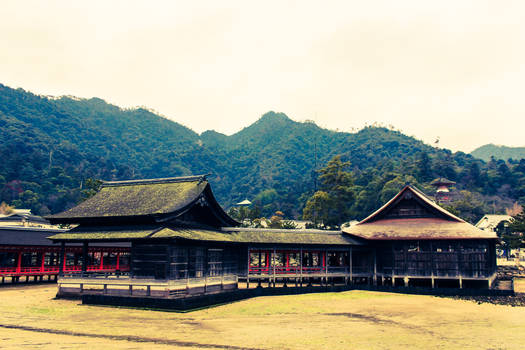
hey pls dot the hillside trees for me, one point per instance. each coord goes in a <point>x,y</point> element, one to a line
<point>331,205</point>
<point>50,147</point>
<point>512,233</point>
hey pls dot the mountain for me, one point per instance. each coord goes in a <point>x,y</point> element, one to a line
<point>485,152</point>
<point>52,148</point>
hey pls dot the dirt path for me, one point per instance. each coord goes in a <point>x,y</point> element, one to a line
<point>132,339</point>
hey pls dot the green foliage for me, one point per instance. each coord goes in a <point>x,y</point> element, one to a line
<point>91,187</point>
<point>288,225</point>
<point>486,152</point>
<point>468,206</point>
<point>52,147</point>
<point>317,209</point>
<point>512,233</point>
<point>518,222</point>
<point>331,206</point>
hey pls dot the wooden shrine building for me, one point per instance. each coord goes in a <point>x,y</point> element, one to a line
<point>183,243</point>
<point>417,242</point>
<point>26,255</point>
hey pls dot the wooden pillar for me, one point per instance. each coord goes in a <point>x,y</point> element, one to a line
<point>375,267</point>
<point>118,261</point>
<point>269,267</point>
<point>301,267</point>
<point>248,269</point>
<point>62,259</point>
<point>273,264</point>
<point>206,268</point>
<point>393,265</point>
<point>325,258</point>
<point>19,261</point>
<point>84,256</point>
<point>43,262</point>
<point>432,265</point>
<point>101,260</point>
<point>351,266</point>
<point>458,265</point>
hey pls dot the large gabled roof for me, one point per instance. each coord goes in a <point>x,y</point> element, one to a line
<point>441,224</point>
<point>418,195</point>
<point>157,199</point>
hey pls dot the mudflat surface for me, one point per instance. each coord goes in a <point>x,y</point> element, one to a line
<point>31,318</point>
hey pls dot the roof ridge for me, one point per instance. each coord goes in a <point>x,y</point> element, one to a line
<point>194,178</point>
<point>280,230</point>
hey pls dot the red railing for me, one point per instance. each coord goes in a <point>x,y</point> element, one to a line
<point>283,270</point>
<point>50,270</point>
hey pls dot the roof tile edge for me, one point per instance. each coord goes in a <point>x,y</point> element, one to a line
<point>200,178</point>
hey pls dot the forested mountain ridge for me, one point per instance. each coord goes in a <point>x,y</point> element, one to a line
<point>485,152</point>
<point>49,148</point>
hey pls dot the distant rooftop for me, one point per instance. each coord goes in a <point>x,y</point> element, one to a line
<point>441,181</point>
<point>491,221</point>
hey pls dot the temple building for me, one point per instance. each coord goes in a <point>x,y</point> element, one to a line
<point>443,193</point>
<point>417,242</point>
<point>184,244</point>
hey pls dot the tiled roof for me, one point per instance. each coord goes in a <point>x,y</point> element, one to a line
<point>231,235</point>
<point>137,198</point>
<point>417,228</point>
<point>444,225</point>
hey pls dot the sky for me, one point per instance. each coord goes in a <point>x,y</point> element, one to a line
<point>453,70</point>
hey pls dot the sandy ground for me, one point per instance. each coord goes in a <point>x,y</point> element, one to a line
<point>30,318</point>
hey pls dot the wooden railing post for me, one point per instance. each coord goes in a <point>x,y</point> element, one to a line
<point>43,262</point>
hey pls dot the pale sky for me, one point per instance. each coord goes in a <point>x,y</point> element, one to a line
<point>453,69</point>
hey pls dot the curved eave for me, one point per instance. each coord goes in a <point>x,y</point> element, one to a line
<point>418,229</point>
<point>220,213</point>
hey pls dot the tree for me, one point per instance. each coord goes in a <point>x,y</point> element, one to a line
<point>331,206</point>
<point>317,209</point>
<point>517,223</point>
<point>468,206</point>
<point>6,209</point>
<point>91,187</point>
<point>424,167</point>
<point>513,234</point>
<point>392,187</point>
